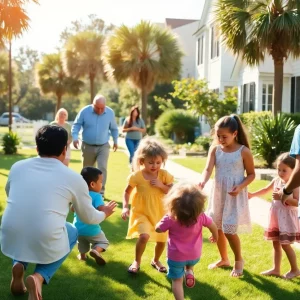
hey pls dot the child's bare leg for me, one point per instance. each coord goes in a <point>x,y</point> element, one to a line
<point>275,271</point>
<point>291,255</point>
<point>82,256</point>
<point>159,249</point>
<point>222,246</point>
<point>177,288</point>
<point>139,250</point>
<point>235,245</point>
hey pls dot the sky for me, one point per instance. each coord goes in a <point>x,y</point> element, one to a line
<point>51,17</point>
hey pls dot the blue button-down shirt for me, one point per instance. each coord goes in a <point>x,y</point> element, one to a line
<point>96,129</point>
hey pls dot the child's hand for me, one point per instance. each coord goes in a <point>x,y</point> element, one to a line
<point>250,195</point>
<point>235,191</point>
<point>108,209</point>
<point>201,185</point>
<point>276,195</point>
<point>157,183</point>
<point>125,213</point>
<point>212,239</point>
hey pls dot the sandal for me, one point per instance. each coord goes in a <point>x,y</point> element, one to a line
<point>237,270</point>
<point>291,275</point>
<point>219,264</point>
<point>33,288</point>
<point>160,269</point>
<point>17,286</point>
<point>133,270</point>
<point>189,279</point>
<point>98,258</point>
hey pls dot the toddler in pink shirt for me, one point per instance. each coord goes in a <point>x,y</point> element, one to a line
<point>184,220</point>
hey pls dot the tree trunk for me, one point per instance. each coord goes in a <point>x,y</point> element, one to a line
<point>58,103</point>
<point>9,88</point>
<point>92,78</point>
<point>144,104</point>
<point>278,86</point>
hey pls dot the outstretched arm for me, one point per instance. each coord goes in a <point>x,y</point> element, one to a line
<point>214,231</point>
<point>211,160</point>
<point>262,191</point>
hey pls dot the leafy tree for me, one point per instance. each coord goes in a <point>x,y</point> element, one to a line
<point>82,57</point>
<point>13,22</point>
<point>4,63</point>
<point>203,101</point>
<point>53,79</point>
<point>128,96</point>
<point>257,28</point>
<point>145,54</point>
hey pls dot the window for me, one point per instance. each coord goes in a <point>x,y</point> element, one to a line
<point>267,96</point>
<point>215,46</point>
<point>248,97</point>
<point>200,50</point>
<point>295,94</point>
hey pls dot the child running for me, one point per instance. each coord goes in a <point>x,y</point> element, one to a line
<point>184,221</point>
<point>283,228</point>
<point>228,203</point>
<point>92,234</point>
<point>147,208</point>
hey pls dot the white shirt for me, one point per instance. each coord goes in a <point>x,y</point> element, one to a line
<point>39,191</point>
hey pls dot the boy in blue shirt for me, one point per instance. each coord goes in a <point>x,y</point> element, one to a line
<point>92,235</point>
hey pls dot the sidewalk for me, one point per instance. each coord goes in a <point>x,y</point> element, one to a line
<point>259,208</point>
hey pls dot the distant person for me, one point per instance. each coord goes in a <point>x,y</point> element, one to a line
<point>134,127</point>
<point>61,118</point>
<point>91,234</point>
<point>228,204</point>
<point>184,221</point>
<point>34,227</point>
<point>283,228</point>
<point>98,123</point>
<point>151,183</point>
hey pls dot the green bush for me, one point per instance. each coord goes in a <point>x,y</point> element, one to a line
<point>249,118</point>
<point>271,136</point>
<point>295,117</point>
<point>177,124</point>
<point>10,141</point>
<point>204,141</point>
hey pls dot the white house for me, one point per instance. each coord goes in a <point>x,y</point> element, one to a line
<point>184,30</point>
<point>222,70</point>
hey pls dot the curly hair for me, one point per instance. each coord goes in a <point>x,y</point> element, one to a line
<point>149,147</point>
<point>185,202</point>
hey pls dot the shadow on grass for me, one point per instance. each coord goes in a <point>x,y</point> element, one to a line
<point>273,289</point>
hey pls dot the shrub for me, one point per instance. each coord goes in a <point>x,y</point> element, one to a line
<point>295,117</point>
<point>204,141</point>
<point>271,136</point>
<point>177,124</point>
<point>10,141</point>
<point>249,118</point>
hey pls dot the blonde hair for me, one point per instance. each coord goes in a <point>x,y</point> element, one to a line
<point>286,159</point>
<point>185,202</point>
<point>149,147</point>
<point>59,111</point>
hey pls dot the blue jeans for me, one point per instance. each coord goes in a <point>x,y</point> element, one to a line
<point>48,270</point>
<point>132,146</point>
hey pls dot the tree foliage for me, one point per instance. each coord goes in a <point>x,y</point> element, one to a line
<point>254,29</point>
<point>145,54</point>
<point>203,101</point>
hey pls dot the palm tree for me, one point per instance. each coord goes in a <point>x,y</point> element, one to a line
<point>257,28</point>
<point>53,79</point>
<point>145,54</point>
<point>82,57</point>
<point>13,22</point>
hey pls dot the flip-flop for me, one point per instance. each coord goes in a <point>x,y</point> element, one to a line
<point>219,264</point>
<point>189,277</point>
<point>161,269</point>
<point>133,270</point>
<point>237,272</point>
<point>291,275</point>
<point>17,286</point>
<point>32,288</point>
<point>97,256</point>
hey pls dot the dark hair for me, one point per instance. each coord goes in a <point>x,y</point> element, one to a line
<point>286,159</point>
<point>185,202</point>
<point>131,112</point>
<point>234,123</point>
<point>90,174</point>
<point>51,140</point>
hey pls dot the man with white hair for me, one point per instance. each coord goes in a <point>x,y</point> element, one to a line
<point>98,123</point>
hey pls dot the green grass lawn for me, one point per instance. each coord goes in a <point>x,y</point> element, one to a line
<point>86,281</point>
<point>198,164</point>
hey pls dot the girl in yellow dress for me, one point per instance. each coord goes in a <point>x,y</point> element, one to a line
<point>147,208</point>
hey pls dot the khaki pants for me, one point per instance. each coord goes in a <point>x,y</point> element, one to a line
<point>85,242</point>
<point>99,154</point>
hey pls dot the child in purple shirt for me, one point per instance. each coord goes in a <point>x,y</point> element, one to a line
<point>184,220</point>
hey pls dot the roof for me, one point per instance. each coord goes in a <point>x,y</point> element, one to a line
<point>174,23</point>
